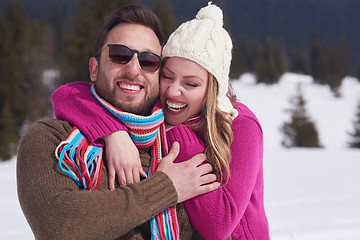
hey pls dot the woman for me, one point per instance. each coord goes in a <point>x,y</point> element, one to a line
<point>199,108</point>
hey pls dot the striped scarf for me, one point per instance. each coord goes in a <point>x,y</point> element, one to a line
<point>82,161</point>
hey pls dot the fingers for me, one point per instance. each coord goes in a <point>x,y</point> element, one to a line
<point>111,180</point>
<point>167,161</point>
<point>121,177</point>
<point>128,176</point>
<point>209,187</point>
<point>139,172</point>
<point>197,159</point>
<point>136,176</point>
<point>205,168</point>
<point>207,179</point>
<point>143,173</point>
<point>174,152</point>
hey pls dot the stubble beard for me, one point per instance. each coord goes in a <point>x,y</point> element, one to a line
<point>103,88</point>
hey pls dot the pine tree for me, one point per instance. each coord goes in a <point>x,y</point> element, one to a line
<point>300,131</point>
<point>315,50</point>
<point>57,26</point>
<point>330,62</point>
<point>38,57</point>
<point>355,135</point>
<point>300,62</point>
<point>23,96</point>
<point>12,73</point>
<point>8,134</point>
<point>89,17</point>
<point>331,67</point>
<point>243,56</point>
<point>271,64</point>
<point>163,10</point>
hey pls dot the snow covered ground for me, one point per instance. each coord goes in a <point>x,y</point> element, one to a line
<point>310,194</point>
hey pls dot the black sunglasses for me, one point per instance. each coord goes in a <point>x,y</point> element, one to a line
<point>122,54</point>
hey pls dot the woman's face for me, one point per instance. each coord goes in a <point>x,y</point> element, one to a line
<point>183,87</point>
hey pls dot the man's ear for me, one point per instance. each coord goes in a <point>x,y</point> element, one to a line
<point>93,68</point>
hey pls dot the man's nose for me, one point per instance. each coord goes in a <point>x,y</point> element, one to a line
<point>133,67</point>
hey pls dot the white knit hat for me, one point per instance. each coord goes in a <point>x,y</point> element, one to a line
<point>205,41</point>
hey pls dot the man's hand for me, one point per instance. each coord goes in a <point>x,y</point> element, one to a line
<point>190,178</point>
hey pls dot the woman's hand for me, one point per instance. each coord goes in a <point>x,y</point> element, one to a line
<point>123,159</point>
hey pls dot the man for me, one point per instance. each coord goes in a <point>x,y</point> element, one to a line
<point>52,202</point>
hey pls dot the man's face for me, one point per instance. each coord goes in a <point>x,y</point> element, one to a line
<point>128,86</point>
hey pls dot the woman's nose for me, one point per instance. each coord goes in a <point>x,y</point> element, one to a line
<point>174,90</point>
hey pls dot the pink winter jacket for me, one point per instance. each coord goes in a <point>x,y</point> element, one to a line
<point>237,209</point>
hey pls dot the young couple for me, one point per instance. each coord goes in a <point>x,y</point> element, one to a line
<point>201,116</point>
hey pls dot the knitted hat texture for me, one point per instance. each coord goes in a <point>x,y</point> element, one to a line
<point>205,41</point>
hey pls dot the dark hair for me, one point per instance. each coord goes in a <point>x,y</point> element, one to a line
<point>134,13</point>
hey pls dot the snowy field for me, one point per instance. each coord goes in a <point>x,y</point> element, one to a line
<point>310,194</point>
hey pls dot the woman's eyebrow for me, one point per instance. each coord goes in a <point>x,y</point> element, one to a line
<point>194,76</point>
<point>168,69</point>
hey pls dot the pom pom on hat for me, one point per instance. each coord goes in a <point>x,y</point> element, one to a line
<point>211,12</point>
<point>205,41</point>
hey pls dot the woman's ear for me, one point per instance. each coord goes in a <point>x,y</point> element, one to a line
<point>93,68</point>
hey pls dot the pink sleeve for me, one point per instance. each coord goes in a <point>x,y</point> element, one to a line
<point>222,209</point>
<point>75,104</point>
<point>190,144</point>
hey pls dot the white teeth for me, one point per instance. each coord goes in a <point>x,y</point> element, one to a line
<point>175,107</point>
<point>130,87</point>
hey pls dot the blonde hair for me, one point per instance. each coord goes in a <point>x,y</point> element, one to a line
<point>218,134</point>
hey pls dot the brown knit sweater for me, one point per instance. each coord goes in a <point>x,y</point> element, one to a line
<point>56,209</point>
